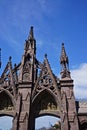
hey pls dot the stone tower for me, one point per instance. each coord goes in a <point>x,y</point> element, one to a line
<point>26,80</point>
<point>68,108</point>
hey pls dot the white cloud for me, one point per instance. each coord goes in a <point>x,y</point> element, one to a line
<point>80,81</point>
<point>80,75</point>
<point>80,93</point>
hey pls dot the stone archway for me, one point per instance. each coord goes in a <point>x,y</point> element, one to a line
<point>32,95</point>
<point>6,104</point>
<point>45,103</point>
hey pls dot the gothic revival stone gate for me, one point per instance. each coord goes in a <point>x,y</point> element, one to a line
<point>26,94</point>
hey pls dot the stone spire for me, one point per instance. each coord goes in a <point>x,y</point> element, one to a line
<point>30,44</point>
<point>28,60</point>
<point>64,63</point>
<point>64,58</point>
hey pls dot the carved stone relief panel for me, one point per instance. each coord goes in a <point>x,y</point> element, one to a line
<point>45,82</point>
<point>46,103</point>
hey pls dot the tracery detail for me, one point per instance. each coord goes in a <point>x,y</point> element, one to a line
<point>45,80</point>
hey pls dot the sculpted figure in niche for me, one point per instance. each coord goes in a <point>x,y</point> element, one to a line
<point>49,106</point>
<point>53,107</point>
<point>43,105</point>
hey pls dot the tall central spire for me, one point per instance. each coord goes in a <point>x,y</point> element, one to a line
<point>28,66</point>
<point>65,63</point>
<point>30,45</point>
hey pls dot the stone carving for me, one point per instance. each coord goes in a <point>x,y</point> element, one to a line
<point>45,81</point>
<point>26,77</point>
<point>48,106</point>
<point>27,66</point>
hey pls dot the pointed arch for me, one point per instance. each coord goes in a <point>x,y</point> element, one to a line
<point>46,81</point>
<point>41,93</point>
<point>9,94</point>
<point>7,103</point>
<point>46,103</point>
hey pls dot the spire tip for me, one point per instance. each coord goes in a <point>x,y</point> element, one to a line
<point>31,35</point>
<point>62,44</point>
<point>46,56</point>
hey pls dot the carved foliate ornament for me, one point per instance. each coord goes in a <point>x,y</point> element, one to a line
<point>45,78</point>
<point>7,78</point>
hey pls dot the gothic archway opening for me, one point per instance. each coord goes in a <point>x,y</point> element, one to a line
<point>6,123</point>
<point>45,104</point>
<point>48,122</point>
<point>83,126</point>
<point>6,110</point>
<point>6,104</point>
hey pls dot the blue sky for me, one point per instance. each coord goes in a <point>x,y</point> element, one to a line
<point>54,21</point>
